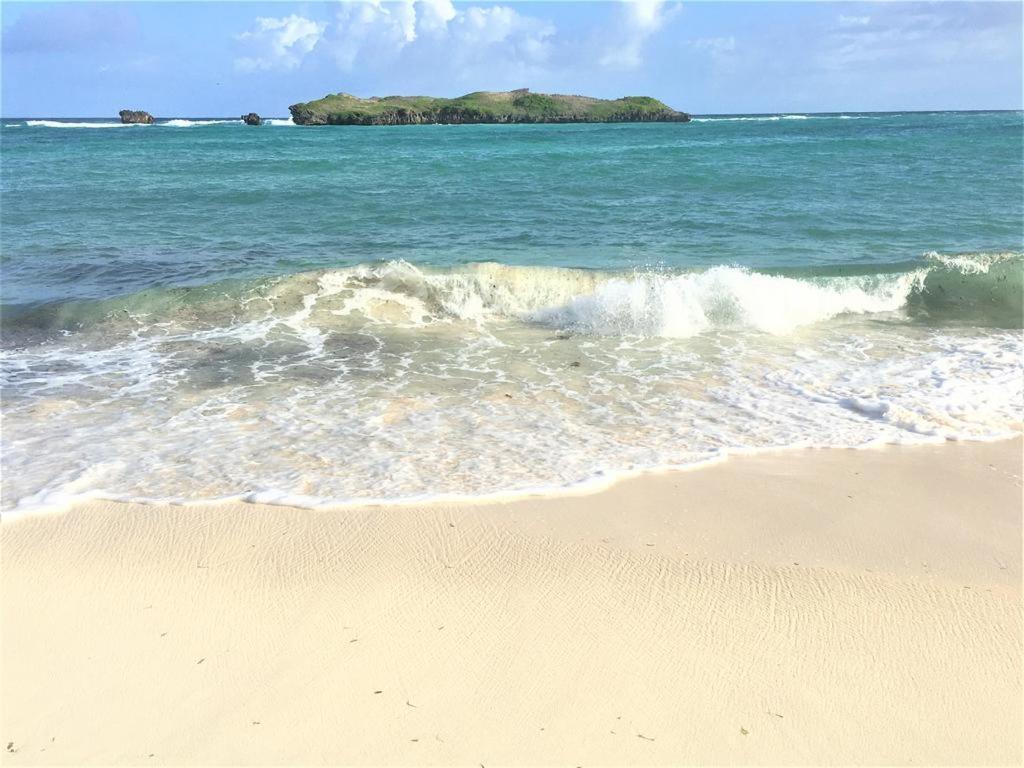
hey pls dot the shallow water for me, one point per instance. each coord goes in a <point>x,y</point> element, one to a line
<point>201,309</point>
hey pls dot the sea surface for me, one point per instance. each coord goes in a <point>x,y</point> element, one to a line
<point>199,309</point>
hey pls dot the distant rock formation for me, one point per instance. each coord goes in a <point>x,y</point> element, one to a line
<point>252,119</point>
<point>519,106</point>
<point>135,116</point>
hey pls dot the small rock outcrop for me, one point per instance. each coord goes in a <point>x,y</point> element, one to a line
<point>135,116</point>
<point>252,119</point>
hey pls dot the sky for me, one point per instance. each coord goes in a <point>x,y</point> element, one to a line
<point>197,59</point>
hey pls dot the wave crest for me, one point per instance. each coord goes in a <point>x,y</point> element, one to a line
<point>182,123</point>
<point>686,305</point>
<point>64,124</point>
<point>978,289</point>
<point>983,288</point>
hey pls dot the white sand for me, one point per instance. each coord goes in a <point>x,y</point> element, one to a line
<point>819,608</point>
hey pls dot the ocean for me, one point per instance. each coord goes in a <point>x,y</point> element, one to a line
<point>200,310</point>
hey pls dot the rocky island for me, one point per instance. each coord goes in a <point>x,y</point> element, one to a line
<point>520,106</point>
<point>135,116</point>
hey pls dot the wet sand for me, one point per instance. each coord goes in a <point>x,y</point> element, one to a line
<point>816,607</point>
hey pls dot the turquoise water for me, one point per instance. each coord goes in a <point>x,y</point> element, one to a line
<point>100,212</point>
<point>201,309</point>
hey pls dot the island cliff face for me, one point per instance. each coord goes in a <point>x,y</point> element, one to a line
<point>519,106</point>
<point>135,116</point>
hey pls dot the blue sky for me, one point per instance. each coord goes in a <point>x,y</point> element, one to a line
<point>213,59</point>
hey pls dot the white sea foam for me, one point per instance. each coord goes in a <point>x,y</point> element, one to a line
<point>971,263</point>
<point>72,124</point>
<point>279,121</point>
<point>182,123</point>
<point>776,118</point>
<point>737,119</point>
<point>344,419</point>
<point>685,305</point>
<point>324,388</point>
<point>175,123</point>
<point>643,304</point>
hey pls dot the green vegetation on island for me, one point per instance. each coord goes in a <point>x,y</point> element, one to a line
<point>520,106</point>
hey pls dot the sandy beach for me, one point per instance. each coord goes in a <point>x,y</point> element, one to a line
<point>816,607</point>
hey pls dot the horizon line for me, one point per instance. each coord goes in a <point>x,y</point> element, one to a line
<point>693,114</point>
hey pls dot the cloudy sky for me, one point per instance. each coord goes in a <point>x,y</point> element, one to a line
<point>212,59</point>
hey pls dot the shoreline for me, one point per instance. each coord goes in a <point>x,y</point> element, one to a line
<point>589,487</point>
<point>803,606</point>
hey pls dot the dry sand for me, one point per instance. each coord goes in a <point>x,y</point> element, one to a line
<point>807,607</point>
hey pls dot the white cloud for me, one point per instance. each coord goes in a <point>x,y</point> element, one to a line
<point>720,53</point>
<point>382,30</point>
<point>375,34</point>
<point>282,43</point>
<point>71,27</point>
<point>713,45</point>
<point>434,15</point>
<point>502,31</point>
<point>648,14</point>
<point>854,21</point>
<point>486,26</point>
<point>911,37</point>
<point>639,21</point>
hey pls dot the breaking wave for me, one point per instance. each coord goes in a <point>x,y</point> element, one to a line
<point>983,289</point>
<point>685,305</point>
<point>775,118</point>
<point>320,388</point>
<point>181,123</point>
<point>70,124</point>
<point>174,123</point>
